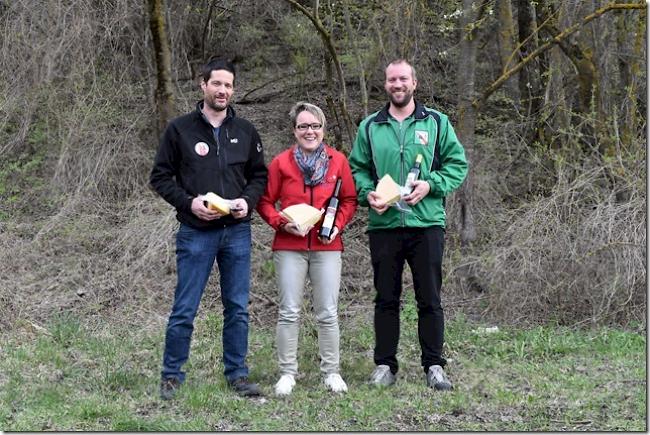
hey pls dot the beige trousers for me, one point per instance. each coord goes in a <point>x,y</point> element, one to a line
<point>324,271</point>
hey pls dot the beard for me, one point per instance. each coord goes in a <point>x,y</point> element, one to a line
<point>406,99</point>
<point>216,106</point>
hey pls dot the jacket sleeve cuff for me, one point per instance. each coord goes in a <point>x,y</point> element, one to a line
<point>248,202</point>
<point>362,197</point>
<point>434,190</point>
<point>187,204</point>
<point>278,223</point>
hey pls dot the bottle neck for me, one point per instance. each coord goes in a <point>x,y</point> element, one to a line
<point>418,161</point>
<point>337,188</point>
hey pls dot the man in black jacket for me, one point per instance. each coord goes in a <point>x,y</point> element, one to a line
<point>210,150</point>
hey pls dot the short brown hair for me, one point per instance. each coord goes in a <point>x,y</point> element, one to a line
<point>215,65</point>
<point>398,61</point>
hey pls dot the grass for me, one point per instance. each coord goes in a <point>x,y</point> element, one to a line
<point>73,376</point>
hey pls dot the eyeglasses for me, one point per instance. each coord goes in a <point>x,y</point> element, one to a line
<point>303,127</point>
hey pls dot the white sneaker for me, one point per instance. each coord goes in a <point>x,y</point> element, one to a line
<point>334,382</point>
<point>284,386</point>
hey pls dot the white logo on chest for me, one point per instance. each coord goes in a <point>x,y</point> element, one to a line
<point>422,137</point>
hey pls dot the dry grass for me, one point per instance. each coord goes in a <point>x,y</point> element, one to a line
<point>576,256</point>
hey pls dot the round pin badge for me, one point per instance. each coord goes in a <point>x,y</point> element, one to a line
<point>201,148</point>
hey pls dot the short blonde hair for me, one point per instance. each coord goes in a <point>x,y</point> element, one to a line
<point>302,106</point>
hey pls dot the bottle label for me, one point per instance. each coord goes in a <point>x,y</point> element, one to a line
<point>328,222</point>
<point>410,178</point>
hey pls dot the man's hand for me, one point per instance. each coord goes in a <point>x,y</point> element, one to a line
<point>420,190</point>
<point>377,204</point>
<point>202,212</point>
<point>239,208</point>
<point>326,241</point>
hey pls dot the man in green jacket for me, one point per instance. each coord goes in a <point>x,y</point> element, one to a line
<point>388,142</point>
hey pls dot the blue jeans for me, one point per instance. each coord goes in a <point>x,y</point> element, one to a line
<point>196,252</point>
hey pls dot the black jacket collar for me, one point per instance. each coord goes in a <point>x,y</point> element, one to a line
<point>230,112</point>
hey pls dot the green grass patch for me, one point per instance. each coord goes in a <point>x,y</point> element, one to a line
<point>71,376</point>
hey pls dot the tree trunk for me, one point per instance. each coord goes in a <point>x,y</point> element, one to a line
<point>335,128</point>
<point>629,130</point>
<point>588,98</point>
<point>466,125</point>
<point>556,106</point>
<point>357,54</point>
<point>164,94</point>
<point>506,40</point>
<point>206,26</point>
<point>622,35</point>
<point>530,89</point>
<point>587,73</point>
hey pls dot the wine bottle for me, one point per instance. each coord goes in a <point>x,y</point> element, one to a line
<point>414,173</point>
<point>407,188</point>
<point>330,214</point>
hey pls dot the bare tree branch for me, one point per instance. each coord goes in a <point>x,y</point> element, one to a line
<point>556,40</point>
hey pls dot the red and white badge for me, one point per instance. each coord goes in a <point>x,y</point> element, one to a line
<point>422,137</point>
<point>201,148</point>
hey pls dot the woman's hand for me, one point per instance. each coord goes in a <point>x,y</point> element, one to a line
<point>326,241</point>
<point>293,228</point>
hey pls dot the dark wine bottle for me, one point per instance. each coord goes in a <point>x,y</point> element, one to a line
<point>330,214</point>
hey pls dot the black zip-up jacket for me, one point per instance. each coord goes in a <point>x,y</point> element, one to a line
<point>233,166</point>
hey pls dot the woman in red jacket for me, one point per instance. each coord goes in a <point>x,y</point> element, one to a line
<point>307,173</point>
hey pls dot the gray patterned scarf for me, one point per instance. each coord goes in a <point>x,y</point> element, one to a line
<point>313,166</point>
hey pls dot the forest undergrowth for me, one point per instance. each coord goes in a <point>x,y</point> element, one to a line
<point>561,229</point>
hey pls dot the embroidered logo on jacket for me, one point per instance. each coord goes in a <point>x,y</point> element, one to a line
<point>422,137</point>
<point>201,148</point>
<point>234,140</point>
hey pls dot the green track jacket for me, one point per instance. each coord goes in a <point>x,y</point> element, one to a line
<point>394,148</point>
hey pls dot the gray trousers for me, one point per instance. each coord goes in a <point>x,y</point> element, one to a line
<point>324,271</point>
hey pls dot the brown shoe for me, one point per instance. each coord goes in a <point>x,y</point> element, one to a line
<point>244,388</point>
<point>168,388</point>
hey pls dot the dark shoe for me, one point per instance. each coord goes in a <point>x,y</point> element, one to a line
<point>436,378</point>
<point>168,388</point>
<point>244,388</point>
